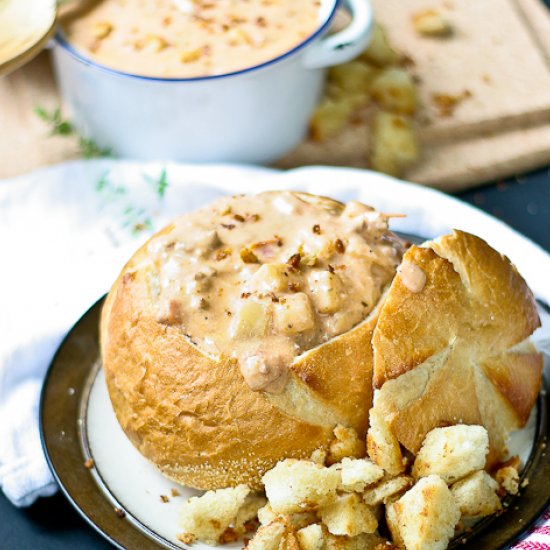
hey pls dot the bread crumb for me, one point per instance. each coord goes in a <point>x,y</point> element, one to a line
<point>508,478</point>
<point>319,456</point>
<point>430,22</point>
<point>345,444</point>
<point>447,103</point>
<point>187,538</point>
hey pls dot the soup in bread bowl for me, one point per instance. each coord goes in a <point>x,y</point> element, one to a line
<point>259,328</point>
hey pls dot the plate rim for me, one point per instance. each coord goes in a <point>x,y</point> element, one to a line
<point>538,459</point>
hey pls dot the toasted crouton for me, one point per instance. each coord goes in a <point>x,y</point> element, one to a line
<point>357,473</point>
<point>394,90</point>
<point>345,444</point>
<point>508,479</point>
<point>386,489</point>
<point>382,445</point>
<point>249,510</point>
<point>424,518</point>
<point>289,541</point>
<point>270,536</point>
<point>300,485</point>
<point>452,452</point>
<point>393,525</point>
<point>208,516</point>
<point>298,521</point>
<point>319,456</point>
<point>431,22</point>
<point>476,495</point>
<point>380,52</point>
<point>348,515</point>
<point>311,537</point>
<point>266,514</point>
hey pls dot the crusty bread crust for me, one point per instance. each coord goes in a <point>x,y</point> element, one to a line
<point>448,354</point>
<point>195,417</point>
<point>457,352</point>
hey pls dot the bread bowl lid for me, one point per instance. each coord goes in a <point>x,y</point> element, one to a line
<point>25,28</point>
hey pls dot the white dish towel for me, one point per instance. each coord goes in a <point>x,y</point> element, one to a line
<point>66,231</point>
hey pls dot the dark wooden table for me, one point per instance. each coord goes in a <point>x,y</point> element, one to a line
<point>52,524</point>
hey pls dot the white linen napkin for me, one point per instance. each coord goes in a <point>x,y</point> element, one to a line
<point>66,231</point>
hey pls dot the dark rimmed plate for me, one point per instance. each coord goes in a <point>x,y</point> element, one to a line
<point>66,386</point>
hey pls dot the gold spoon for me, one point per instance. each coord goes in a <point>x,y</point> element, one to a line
<point>25,27</point>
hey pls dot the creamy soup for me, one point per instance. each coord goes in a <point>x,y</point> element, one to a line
<point>189,38</point>
<point>263,278</point>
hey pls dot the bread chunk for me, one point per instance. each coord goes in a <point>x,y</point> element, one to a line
<point>268,537</point>
<point>348,515</point>
<point>452,452</point>
<point>476,495</point>
<point>300,485</point>
<point>508,479</point>
<point>311,537</point>
<point>383,447</point>
<point>358,473</point>
<point>345,444</point>
<point>386,490</point>
<point>424,518</point>
<point>208,516</point>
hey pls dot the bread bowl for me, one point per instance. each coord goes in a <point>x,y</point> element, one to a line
<point>186,392</point>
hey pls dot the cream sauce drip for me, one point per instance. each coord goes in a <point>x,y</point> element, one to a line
<point>264,278</point>
<point>412,276</point>
<point>189,38</point>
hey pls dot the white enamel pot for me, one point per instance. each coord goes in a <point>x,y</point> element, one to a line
<point>255,115</point>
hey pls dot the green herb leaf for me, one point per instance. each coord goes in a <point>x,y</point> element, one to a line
<point>60,127</point>
<point>160,185</point>
<point>90,149</point>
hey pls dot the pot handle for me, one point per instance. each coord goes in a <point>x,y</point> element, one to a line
<point>346,44</point>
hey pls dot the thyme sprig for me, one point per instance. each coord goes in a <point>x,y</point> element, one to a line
<point>62,127</point>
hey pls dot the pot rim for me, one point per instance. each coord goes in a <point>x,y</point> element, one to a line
<point>60,39</point>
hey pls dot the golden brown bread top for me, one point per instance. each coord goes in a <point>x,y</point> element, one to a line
<point>472,294</point>
<point>457,351</point>
<point>181,408</point>
<point>193,414</point>
<point>449,341</point>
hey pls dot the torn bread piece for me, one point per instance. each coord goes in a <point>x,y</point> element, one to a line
<point>346,443</point>
<point>348,515</point>
<point>209,516</point>
<point>508,478</point>
<point>300,485</point>
<point>424,518</point>
<point>382,444</point>
<point>387,490</point>
<point>462,365</point>
<point>452,452</point>
<point>270,536</point>
<point>311,537</point>
<point>476,495</point>
<point>298,520</point>
<point>357,473</point>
